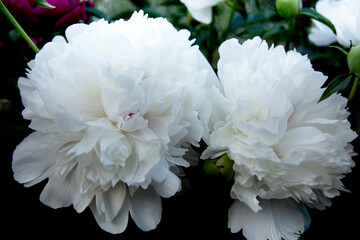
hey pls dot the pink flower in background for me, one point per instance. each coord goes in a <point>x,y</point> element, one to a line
<point>36,20</point>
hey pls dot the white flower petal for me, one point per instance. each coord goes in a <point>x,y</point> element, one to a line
<point>34,107</point>
<point>30,164</point>
<point>202,15</point>
<point>278,219</point>
<point>201,9</point>
<point>109,202</point>
<point>74,30</point>
<point>168,187</point>
<point>35,156</point>
<point>247,196</point>
<point>60,192</point>
<point>112,211</point>
<point>145,209</point>
<point>344,15</point>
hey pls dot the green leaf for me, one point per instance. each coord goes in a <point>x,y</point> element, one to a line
<point>312,13</point>
<point>237,21</point>
<point>169,2</point>
<point>126,14</point>
<point>152,13</point>
<point>95,12</point>
<point>44,4</point>
<point>140,3</point>
<point>274,29</point>
<point>338,84</point>
<point>263,16</point>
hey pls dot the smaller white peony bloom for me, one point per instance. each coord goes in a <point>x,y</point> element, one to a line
<point>114,107</point>
<point>287,148</point>
<point>201,9</point>
<point>345,15</point>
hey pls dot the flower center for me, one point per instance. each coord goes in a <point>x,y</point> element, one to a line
<point>130,115</point>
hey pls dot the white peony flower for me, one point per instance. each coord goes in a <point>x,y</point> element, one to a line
<point>345,15</point>
<point>201,9</point>
<point>287,148</point>
<point>114,107</point>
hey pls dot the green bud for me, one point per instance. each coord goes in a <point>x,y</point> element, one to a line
<point>353,60</point>
<point>210,167</point>
<point>5,105</point>
<point>288,8</point>
<point>222,166</point>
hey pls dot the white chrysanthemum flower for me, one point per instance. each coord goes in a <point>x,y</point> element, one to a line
<point>201,9</point>
<point>114,108</point>
<point>287,148</point>
<point>345,15</point>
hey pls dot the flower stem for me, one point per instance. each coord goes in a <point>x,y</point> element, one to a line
<point>354,88</point>
<point>231,18</point>
<point>291,31</point>
<point>18,27</point>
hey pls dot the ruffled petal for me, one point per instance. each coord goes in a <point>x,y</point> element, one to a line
<point>246,195</point>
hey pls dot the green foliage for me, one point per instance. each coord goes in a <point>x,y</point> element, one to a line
<point>338,84</point>
<point>310,12</point>
<point>44,3</point>
<point>96,13</point>
<point>140,3</point>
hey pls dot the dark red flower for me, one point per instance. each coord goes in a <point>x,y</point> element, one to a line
<point>38,20</point>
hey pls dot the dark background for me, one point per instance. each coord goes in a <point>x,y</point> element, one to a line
<point>199,212</point>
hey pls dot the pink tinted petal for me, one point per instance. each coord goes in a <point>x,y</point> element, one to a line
<point>5,2</point>
<point>74,16</point>
<point>22,8</point>
<point>90,4</point>
<point>73,3</point>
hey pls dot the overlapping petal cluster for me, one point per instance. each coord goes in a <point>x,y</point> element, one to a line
<point>115,108</point>
<point>287,147</point>
<point>345,15</point>
<point>201,9</point>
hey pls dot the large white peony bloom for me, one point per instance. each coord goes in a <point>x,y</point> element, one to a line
<point>114,108</point>
<point>287,148</point>
<point>345,15</point>
<point>201,9</point>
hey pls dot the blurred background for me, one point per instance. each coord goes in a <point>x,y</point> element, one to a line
<point>200,210</point>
